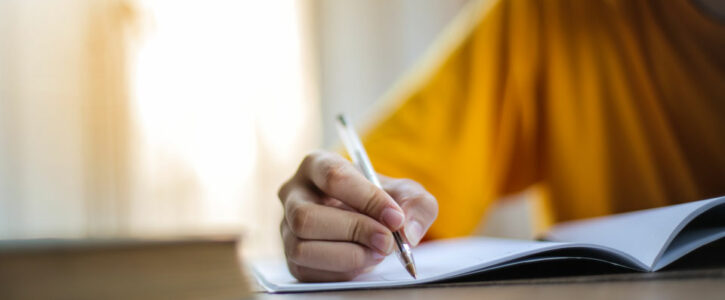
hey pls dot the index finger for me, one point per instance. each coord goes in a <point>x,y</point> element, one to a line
<point>337,178</point>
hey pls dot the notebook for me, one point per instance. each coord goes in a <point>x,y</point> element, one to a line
<point>645,241</point>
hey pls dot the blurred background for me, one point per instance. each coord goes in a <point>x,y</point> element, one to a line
<point>146,118</point>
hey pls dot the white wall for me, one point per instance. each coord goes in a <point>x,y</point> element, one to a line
<point>41,190</point>
<point>365,46</point>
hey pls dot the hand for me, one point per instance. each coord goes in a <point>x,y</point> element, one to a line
<point>338,225</point>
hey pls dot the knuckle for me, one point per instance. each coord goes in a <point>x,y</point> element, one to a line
<point>286,232</point>
<point>282,192</point>
<point>295,270</point>
<point>374,201</point>
<point>355,229</point>
<point>296,251</point>
<point>298,273</point>
<point>310,157</point>
<point>333,172</point>
<point>299,216</point>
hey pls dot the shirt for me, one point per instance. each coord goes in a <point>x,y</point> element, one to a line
<point>602,106</point>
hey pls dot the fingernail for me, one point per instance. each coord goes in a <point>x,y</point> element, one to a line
<point>382,243</point>
<point>377,256</point>
<point>393,218</point>
<point>414,232</point>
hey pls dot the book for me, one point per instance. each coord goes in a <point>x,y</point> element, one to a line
<point>643,241</point>
<point>188,268</point>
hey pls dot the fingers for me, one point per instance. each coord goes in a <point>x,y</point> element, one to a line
<point>306,274</point>
<point>312,221</point>
<point>420,207</point>
<point>336,177</point>
<point>341,257</point>
<point>338,224</point>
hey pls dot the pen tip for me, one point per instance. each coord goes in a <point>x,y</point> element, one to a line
<point>411,270</point>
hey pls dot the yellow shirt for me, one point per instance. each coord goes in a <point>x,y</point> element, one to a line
<point>607,106</point>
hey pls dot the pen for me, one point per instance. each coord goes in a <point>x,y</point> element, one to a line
<point>360,159</point>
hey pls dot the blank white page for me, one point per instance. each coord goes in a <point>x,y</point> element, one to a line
<point>642,234</point>
<point>434,261</point>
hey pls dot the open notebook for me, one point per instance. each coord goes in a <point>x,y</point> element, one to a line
<point>645,241</point>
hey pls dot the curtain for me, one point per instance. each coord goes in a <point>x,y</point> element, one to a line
<point>148,118</point>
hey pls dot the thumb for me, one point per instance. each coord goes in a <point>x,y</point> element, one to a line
<point>419,206</point>
<point>419,216</point>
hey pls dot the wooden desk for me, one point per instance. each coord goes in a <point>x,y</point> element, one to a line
<point>687,284</point>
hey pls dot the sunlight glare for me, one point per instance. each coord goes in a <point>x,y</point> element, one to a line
<point>212,78</point>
